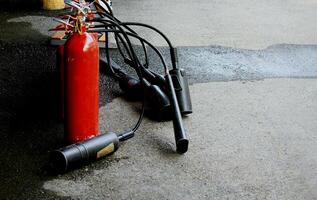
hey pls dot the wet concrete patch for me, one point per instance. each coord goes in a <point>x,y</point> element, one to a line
<point>40,24</point>
<point>217,63</point>
<point>26,25</point>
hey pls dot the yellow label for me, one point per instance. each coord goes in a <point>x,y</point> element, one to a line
<point>105,151</point>
<point>53,4</point>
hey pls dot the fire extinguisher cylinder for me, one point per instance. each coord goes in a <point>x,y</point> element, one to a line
<point>82,153</point>
<point>81,87</point>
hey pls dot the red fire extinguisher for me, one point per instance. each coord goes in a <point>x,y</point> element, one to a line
<point>81,90</point>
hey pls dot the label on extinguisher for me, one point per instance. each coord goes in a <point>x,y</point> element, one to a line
<point>105,151</point>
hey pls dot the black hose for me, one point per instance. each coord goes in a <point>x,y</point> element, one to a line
<point>172,49</point>
<point>128,134</point>
<point>148,43</point>
<point>111,17</point>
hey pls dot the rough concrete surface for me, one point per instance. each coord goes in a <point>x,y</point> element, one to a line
<point>252,140</point>
<point>248,24</point>
<point>251,136</point>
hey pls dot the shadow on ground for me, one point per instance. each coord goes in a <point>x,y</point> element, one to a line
<point>29,116</point>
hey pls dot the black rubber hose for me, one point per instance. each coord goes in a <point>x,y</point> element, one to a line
<point>129,134</point>
<point>172,49</point>
<point>111,16</point>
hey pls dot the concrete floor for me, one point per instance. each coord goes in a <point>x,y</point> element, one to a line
<point>248,24</point>
<point>252,67</point>
<point>247,141</point>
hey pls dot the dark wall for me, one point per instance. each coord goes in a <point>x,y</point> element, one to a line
<point>27,4</point>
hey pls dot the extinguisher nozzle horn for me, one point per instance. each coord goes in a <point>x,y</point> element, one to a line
<point>182,146</point>
<point>58,162</point>
<point>82,153</point>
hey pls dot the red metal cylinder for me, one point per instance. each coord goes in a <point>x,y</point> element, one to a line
<point>81,87</point>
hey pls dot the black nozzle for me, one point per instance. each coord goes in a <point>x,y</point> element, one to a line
<point>153,77</point>
<point>75,155</point>
<point>180,83</point>
<point>131,86</point>
<point>179,130</point>
<point>157,102</point>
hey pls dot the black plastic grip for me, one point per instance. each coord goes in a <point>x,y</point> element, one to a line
<point>84,152</point>
<point>182,90</point>
<point>179,131</point>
